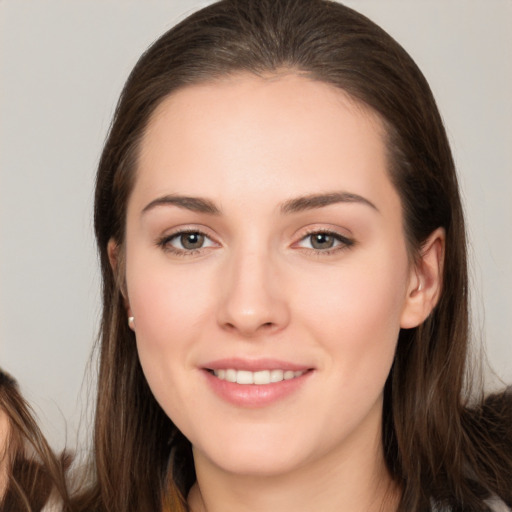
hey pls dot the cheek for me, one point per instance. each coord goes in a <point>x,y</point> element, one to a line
<point>167,302</point>
<point>356,312</point>
<point>169,308</point>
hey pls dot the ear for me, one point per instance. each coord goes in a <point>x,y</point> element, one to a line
<point>117,264</point>
<point>113,255</point>
<point>425,282</point>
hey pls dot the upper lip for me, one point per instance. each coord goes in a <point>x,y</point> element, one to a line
<point>254,365</point>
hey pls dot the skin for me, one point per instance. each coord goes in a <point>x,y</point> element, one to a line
<point>5,429</point>
<point>259,288</point>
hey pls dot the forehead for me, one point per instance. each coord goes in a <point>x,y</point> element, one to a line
<point>283,134</point>
<point>253,98</point>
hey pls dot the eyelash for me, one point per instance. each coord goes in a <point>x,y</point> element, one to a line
<point>344,243</point>
<point>165,242</point>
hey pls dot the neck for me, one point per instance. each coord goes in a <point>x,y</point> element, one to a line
<point>357,481</point>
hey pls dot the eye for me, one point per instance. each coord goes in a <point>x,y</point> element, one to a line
<point>324,241</point>
<point>185,242</point>
<point>188,241</point>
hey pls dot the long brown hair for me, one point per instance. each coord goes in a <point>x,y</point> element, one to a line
<point>34,473</point>
<point>437,449</point>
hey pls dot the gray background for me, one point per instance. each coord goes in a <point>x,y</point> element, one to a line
<point>62,67</point>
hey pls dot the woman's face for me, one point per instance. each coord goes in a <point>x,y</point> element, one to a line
<point>265,246</point>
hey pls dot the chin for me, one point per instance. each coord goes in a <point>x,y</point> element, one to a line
<point>256,463</point>
<point>255,453</point>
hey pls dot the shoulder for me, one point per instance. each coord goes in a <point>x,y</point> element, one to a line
<point>55,505</point>
<point>496,505</point>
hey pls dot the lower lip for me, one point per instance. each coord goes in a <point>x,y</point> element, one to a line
<point>254,395</point>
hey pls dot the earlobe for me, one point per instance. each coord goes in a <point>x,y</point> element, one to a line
<point>426,282</point>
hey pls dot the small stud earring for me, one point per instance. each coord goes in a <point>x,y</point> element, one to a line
<point>131,323</point>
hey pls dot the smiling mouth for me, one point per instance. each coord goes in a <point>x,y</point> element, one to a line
<point>261,377</point>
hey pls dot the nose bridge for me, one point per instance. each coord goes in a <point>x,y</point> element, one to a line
<point>253,297</point>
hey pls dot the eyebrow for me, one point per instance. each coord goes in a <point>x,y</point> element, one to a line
<point>195,204</point>
<point>299,204</point>
<point>320,200</point>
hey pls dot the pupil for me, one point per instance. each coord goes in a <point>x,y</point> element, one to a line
<point>322,241</point>
<point>192,240</point>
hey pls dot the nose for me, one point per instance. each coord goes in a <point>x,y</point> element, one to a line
<point>253,297</point>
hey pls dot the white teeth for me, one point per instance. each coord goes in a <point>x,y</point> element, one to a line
<point>244,377</point>
<point>262,377</point>
<point>230,375</point>
<point>259,377</point>
<point>276,375</point>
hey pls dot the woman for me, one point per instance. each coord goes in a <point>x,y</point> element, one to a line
<point>277,198</point>
<point>31,476</point>
<point>285,318</point>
